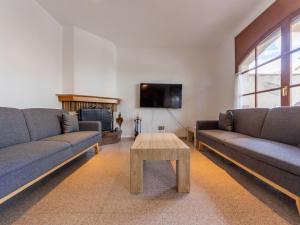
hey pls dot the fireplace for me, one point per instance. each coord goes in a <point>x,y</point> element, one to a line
<point>105,116</point>
<point>94,108</point>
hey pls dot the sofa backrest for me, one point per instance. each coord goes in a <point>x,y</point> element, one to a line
<point>249,121</point>
<point>13,129</point>
<point>43,123</point>
<point>283,125</point>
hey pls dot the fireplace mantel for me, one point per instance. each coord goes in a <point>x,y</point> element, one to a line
<point>86,98</point>
<point>72,102</point>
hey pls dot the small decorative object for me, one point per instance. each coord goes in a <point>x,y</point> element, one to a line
<point>119,120</point>
<point>137,126</point>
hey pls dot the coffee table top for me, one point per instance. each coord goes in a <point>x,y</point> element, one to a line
<point>158,141</point>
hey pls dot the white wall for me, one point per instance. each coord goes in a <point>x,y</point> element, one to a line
<point>226,74</point>
<point>95,64</point>
<point>194,68</point>
<point>39,58</point>
<point>226,60</point>
<point>68,60</point>
<point>30,55</point>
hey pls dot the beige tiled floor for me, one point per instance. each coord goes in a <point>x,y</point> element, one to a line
<point>94,189</point>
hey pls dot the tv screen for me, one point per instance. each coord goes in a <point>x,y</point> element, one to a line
<point>160,95</point>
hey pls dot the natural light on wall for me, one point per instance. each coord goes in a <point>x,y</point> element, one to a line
<point>263,80</point>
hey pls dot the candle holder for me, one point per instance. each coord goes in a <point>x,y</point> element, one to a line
<point>119,120</point>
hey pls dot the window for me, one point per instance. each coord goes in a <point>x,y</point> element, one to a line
<point>260,74</point>
<point>295,63</point>
<point>270,75</point>
<point>270,48</point>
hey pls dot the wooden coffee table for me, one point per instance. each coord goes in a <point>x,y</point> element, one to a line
<point>159,146</point>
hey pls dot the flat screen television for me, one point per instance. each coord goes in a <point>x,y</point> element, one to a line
<point>160,95</point>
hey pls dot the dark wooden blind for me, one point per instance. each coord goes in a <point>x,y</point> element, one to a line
<point>259,29</point>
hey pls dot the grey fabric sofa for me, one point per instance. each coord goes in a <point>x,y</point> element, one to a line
<point>32,146</point>
<point>264,142</point>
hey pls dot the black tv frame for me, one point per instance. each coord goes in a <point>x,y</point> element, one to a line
<point>166,99</point>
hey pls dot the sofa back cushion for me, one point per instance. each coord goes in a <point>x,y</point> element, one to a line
<point>43,123</point>
<point>283,125</point>
<point>13,127</point>
<point>249,121</point>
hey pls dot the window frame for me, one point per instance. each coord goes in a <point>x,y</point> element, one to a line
<point>285,88</point>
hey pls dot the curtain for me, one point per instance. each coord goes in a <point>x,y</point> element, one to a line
<point>238,100</point>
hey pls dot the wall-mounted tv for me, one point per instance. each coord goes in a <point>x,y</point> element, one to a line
<point>160,95</point>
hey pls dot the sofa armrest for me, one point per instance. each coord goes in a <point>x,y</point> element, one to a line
<point>90,126</point>
<point>207,125</point>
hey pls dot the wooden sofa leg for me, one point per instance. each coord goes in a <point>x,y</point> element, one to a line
<point>97,148</point>
<point>200,146</point>
<point>298,204</point>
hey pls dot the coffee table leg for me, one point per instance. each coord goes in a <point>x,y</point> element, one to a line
<point>136,173</point>
<point>183,172</point>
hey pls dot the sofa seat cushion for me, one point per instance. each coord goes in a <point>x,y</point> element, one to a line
<point>220,135</point>
<point>20,164</point>
<point>17,156</point>
<point>78,140</point>
<point>283,156</point>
